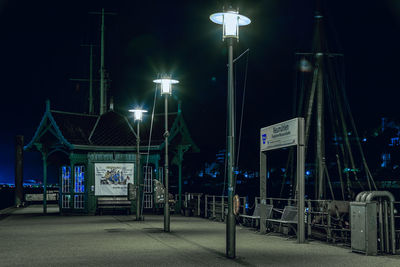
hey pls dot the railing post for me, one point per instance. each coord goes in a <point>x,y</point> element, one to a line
<point>329,237</point>
<point>198,205</point>
<point>309,218</point>
<point>222,209</point>
<point>205,206</point>
<point>213,211</point>
<point>244,205</point>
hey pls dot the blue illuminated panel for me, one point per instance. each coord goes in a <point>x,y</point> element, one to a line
<point>79,185</point>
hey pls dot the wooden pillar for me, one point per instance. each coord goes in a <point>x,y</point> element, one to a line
<point>180,160</point>
<point>19,167</point>
<point>44,158</point>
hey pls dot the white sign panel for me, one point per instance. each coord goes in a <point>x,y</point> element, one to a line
<point>112,179</point>
<point>279,135</point>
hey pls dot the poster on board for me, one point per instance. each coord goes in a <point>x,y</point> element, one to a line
<point>112,179</point>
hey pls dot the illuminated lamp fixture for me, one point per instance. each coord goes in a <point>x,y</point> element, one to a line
<point>138,113</point>
<point>166,85</point>
<point>231,20</point>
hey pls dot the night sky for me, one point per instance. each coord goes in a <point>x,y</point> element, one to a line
<point>40,52</point>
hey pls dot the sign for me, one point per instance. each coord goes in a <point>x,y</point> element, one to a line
<point>112,179</point>
<point>280,135</point>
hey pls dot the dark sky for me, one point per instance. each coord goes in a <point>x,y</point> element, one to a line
<point>40,51</point>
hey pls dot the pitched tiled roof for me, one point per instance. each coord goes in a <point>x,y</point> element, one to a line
<point>113,129</point>
<point>110,129</point>
<point>75,127</point>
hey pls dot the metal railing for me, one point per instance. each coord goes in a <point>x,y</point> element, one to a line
<point>216,207</point>
<point>325,219</point>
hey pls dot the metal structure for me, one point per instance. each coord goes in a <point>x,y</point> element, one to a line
<point>231,20</point>
<point>138,115</point>
<point>323,103</point>
<point>277,136</point>
<point>166,89</point>
<point>367,242</point>
<point>103,87</point>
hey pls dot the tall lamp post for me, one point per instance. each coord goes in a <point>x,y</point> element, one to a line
<point>166,89</point>
<point>138,116</point>
<point>230,20</point>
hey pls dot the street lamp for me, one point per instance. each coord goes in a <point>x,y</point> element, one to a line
<point>231,20</point>
<point>166,89</point>
<point>138,116</point>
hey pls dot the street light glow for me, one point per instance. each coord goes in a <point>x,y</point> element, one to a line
<point>166,83</point>
<point>138,113</point>
<point>231,20</point>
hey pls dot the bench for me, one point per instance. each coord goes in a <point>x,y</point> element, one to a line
<point>113,203</point>
<point>256,214</point>
<point>288,217</point>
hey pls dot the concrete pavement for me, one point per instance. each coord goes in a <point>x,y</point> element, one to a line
<point>28,238</point>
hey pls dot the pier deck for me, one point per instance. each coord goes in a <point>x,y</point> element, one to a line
<point>30,238</point>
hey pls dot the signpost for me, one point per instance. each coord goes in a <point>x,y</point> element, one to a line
<point>281,135</point>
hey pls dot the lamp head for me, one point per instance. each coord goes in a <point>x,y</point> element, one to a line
<point>231,20</point>
<point>138,113</point>
<point>166,85</point>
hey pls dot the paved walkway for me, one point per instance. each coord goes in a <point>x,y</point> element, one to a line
<point>28,238</point>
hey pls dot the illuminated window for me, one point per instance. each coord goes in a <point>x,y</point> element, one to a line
<point>66,179</point>
<point>79,183</point>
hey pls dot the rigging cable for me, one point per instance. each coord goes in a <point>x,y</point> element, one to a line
<point>347,106</point>
<point>148,146</point>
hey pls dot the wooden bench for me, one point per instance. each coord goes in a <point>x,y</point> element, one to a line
<point>256,214</point>
<point>288,217</point>
<point>113,203</point>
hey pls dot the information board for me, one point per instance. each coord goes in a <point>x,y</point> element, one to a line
<point>112,179</point>
<point>279,135</point>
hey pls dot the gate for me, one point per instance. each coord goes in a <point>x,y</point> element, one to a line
<point>148,187</point>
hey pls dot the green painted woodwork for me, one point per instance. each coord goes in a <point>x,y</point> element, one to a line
<point>49,141</point>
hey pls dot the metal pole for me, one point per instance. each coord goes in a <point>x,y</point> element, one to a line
<point>102,95</point>
<point>263,192</point>
<point>382,242</point>
<point>320,134</point>
<point>166,192</point>
<point>138,206</point>
<point>392,228</point>
<point>230,223</point>
<point>91,80</point>
<point>300,183</point>
<point>386,224</point>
